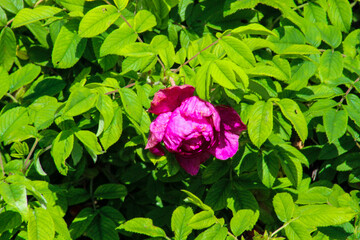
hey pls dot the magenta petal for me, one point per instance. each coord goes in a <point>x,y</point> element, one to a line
<point>191,164</point>
<point>168,99</point>
<point>157,150</point>
<point>157,130</point>
<point>231,127</point>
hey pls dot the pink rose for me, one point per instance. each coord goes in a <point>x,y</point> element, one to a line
<point>192,128</point>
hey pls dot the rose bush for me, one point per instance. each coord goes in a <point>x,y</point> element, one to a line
<point>192,128</point>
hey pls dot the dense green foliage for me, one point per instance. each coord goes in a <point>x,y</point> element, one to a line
<point>76,79</point>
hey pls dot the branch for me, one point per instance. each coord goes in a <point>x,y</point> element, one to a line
<point>348,91</point>
<point>27,160</point>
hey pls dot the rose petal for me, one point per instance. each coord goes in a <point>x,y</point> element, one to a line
<point>157,150</point>
<point>157,130</point>
<point>191,164</point>
<point>168,99</point>
<point>228,139</point>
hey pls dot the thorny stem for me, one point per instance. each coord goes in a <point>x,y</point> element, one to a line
<point>348,91</point>
<point>197,54</point>
<point>27,160</point>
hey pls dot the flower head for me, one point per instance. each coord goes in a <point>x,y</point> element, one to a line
<point>192,128</point>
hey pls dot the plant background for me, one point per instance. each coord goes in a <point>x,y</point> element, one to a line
<point>76,79</point>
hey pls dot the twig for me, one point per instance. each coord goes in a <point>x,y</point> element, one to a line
<point>348,91</point>
<point>197,54</point>
<point>37,3</point>
<point>9,22</point>
<point>107,2</point>
<point>27,160</point>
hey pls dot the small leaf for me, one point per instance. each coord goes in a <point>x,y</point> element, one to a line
<point>297,231</point>
<point>241,221</point>
<point>143,21</point>
<point>330,34</point>
<point>284,206</point>
<point>223,74</point>
<point>80,101</point>
<point>12,6</point>
<point>89,140</point>
<point>28,15</point>
<point>216,232</point>
<point>98,20</point>
<point>268,169</point>
<point>202,220</point>
<point>68,46</point>
<point>340,14</point>
<point>331,65</point>
<point>179,222</point>
<point>352,108</point>
<point>15,196</point>
<point>121,4</point>
<point>203,81</point>
<point>218,194</point>
<point>335,123</point>
<point>132,104</point>
<point>195,200</point>
<point>61,150</point>
<point>292,112</point>
<point>238,51</point>
<point>11,120</point>
<point>23,76</point>
<point>112,134</point>
<point>7,48</point>
<point>110,191</point>
<point>143,226</point>
<point>42,111</point>
<point>40,225</point>
<point>261,122</point>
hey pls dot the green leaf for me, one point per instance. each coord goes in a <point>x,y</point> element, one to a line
<point>7,48</point>
<point>266,70</point>
<point>330,34</point>
<point>350,43</point>
<point>292,152</point>
<point>105,107</point>
<point>23,76</point>
<point>81,222</point>
<point>268,169</point>
<point>131,103</point>
<point>324,215</point>
<point>261,124</point>
<point>216,232</point>
<point>60,225</point>
<point>195,200</point>
<point>89,140</point>
<point>12,6</point>
<point>167,55</point>
<point>340,14</point>
<point>137,49</point>
<point>3,17</point>
<point>102,228</point>
<point>121,4</point>
<point>284,206</point>
<point>15,195</point>
<point>40,225</point>
<point>202,220</point>
<point>335,123</point>
<point>352,107</point>
<point>68,47</point>
<point>241,221</point>
<point>222,73</point>
<point>4,82</point>
<point>299,49</point>
<point>80,100</point>
<point>61,149</point>
<point>11,120</point>
<point>110,191</point>
<point>218,194</point>
<point>98,20</point>
<point>143,226</point>
<point>297,231</point>
<point>253,28</point>
<point>203,81</point>
<point>314,13</point>
<point>347,162</point>
<point>10,220</point>
<point>238,51</point>
<point>292,112</point>
<point>179,222</point>
<point>40,32</point>
<point>42,111</point>
<point>291,166</point>
<point>28,15</point>
<point>112,134</point>
<point>331,65</point>
<point>117,40</point>
<point>283,65</point>
<point>143,21</point>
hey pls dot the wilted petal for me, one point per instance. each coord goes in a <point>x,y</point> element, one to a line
<point>228,139</point>
<point>157,130</point>
<point>168,99</point>
<point>191,164</point>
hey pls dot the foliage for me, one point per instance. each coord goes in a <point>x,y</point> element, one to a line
<point>76,79</point>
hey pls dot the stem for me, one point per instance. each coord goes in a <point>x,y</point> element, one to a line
<point>37,3</point>
<point>2,165</point>
<point>323,50</point>
<point>348,91</point>
<point>282,227</point>
<point>9,22</point>
<point>107,2</point>
<point>230,234</point>
<point>300,6</point>
<point>27,160</point>
<point>12,97</point>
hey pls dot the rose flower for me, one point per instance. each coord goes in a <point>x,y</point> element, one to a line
<point>192,128</point>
